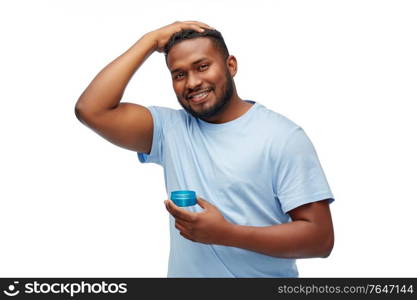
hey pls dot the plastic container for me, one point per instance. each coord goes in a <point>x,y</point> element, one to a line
<point>184,198</point>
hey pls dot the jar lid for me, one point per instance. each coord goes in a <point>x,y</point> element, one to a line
<point>183,198</point>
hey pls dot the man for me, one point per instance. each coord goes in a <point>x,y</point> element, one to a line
<point>263,197</point>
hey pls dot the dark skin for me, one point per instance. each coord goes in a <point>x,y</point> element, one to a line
<point>129,125</point>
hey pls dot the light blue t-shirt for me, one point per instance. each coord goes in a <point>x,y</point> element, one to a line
<point>254,169</point>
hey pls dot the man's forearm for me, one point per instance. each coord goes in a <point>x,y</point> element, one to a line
<point>106,89</point>
<point>297,239</point>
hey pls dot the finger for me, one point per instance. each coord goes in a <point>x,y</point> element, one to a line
<point>179,213</point>
<point>180,226</point>
<point>183,25</point>
<point>197,28</point>
<point>203,203</point>
<point>184,224</point>
<point>200,24</point>
<point>188,236</point>
<point>192,26</point>
<point>166,205</point>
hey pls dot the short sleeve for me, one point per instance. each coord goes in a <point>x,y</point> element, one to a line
<point>161,116</point>
<point>300,178</point>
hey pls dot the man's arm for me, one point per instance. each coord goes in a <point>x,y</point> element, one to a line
<point>127,125</point>
<point>309,234</point>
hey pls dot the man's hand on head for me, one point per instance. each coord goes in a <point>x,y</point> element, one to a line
<point>208,226</point>
<point>162,35</point>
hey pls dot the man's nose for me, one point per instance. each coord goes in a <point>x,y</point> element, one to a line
<point>193,81</point>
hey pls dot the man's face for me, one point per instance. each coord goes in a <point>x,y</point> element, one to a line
<point>201,80</point>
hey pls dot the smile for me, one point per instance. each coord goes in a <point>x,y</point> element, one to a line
<point>199,97</point>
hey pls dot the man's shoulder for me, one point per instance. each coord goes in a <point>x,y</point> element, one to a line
<point>164,109</point>
<point>163,113</point>
<point>275,121</point>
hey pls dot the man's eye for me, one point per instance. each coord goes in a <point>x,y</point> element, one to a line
<point>203,67</point>
<point>179,76</point>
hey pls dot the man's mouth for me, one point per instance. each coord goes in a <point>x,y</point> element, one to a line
<point>199,96</point>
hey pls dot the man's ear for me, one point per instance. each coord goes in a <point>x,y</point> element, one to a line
<point>231,64</point>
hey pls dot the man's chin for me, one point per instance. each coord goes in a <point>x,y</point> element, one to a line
<point>200,114</point>
<point>203,110</point>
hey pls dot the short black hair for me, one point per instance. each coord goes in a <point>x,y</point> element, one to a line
<point>187,34</point>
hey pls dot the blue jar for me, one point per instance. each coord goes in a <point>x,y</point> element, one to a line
<point>184,198</point>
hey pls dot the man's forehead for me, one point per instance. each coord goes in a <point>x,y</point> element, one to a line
<point>188,52</point>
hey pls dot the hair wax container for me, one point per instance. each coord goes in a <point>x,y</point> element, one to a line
<point>184,198</point>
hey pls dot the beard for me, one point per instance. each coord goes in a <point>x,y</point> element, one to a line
<point>218,106</point>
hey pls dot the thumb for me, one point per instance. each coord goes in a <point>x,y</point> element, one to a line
<point>203,203</point>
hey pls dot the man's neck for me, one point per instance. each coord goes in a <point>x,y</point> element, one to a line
<point>234,109</point>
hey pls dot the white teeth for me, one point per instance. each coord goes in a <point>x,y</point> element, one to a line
<point>199,95</point>
<point>202,94</point>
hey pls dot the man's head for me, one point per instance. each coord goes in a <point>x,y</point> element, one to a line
<point>202,71</point>
<point>187,34</point>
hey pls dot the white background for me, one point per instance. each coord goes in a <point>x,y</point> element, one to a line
<point>73,204</point>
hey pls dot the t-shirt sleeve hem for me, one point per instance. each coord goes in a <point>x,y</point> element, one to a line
<point>296,203</point>
<point>152,157</point>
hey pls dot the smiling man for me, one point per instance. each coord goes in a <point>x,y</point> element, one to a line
<point>206,91</point>
<point>263,196</point>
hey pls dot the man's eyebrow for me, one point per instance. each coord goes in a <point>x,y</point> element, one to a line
<point>199,60</point>
<point>193,63</point>
<point>176,70</point>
